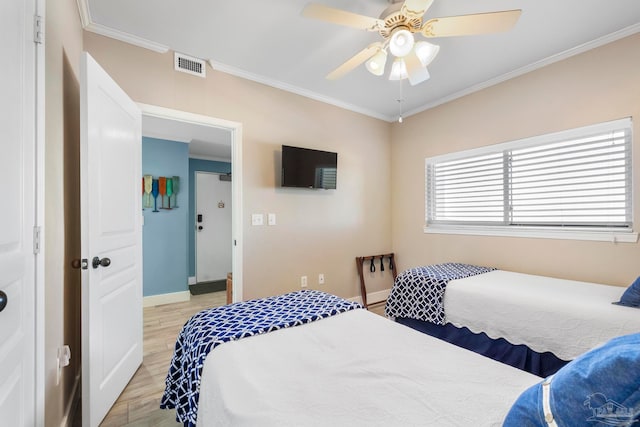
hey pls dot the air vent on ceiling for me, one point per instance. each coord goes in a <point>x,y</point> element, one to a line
<point>189,64</point>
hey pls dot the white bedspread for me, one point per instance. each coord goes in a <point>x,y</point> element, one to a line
<point>354,369</point>
<point>564,317</point>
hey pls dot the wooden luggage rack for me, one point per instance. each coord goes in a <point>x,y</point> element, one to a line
<point>372,268</point>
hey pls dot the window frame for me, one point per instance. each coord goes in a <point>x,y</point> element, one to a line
<point>595,233</point>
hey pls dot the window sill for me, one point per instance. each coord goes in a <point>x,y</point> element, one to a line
<point>609,235</point>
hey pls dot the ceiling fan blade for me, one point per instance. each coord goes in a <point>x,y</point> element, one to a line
<point>416,72</point>
<point>480,23</point>
<point>415,8</point>
<point>355,60</point>
<point>341,17</point>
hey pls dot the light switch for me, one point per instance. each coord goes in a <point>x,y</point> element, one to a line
<point>257,219</point>
<point>271,219</point>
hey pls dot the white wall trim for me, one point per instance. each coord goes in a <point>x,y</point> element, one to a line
<point>373,297</point>
<point>162,299</point>
<point>184,116</point>
<point>236,183</point>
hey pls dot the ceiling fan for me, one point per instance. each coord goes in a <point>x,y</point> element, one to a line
<point>397,26</point>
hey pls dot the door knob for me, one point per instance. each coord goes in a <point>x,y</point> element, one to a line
<point>3,300</point>
<point>200,228</point>
<point>97,262</point>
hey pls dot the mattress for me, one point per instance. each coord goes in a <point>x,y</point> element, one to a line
<point>564,317</point>
<point>354,369</point>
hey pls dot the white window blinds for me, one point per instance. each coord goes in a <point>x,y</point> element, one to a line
<point>577,178</point>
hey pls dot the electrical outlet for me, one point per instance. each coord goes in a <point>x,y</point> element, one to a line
<point>320,279</point>
<point>303,281</point>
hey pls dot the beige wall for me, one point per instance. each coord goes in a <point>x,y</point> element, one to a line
<point>600,85</point>
<point>62,53</point>
<point>316,231</point>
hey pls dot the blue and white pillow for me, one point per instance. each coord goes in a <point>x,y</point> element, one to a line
<point>599,388</point>
<point>631,297</point>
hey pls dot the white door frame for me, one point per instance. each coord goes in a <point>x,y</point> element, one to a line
<point>235,129</point>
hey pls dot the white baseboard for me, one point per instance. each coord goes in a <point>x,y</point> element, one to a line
<point>373,297</point>
<point>74,401</point>
<point>162,299</point>
<point>192,280</point>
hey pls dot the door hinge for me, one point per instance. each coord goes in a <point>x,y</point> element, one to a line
<point>36,240</point>
<point>38,29</point>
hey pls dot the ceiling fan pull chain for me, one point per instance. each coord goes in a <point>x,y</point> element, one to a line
<point>372,267</point>
<point>400,103</point>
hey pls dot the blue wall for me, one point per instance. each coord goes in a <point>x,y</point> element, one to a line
<point>197,165</point>
<point>165,233</point>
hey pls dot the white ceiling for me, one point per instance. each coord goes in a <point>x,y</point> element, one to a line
<point>205,142</point>
<point>270,42</point>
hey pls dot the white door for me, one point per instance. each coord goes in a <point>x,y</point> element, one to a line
<point>111,184</point>
<point>213,227</point>
<point>17,214</point>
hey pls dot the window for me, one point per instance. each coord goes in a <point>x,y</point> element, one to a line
<point>572,184</point>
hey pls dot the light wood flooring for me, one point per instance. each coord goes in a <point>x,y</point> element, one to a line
<point>139,403</point>
<point>377,309</point>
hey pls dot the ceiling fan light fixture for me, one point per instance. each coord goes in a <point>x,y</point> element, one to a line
<point>398,70</point>
<point>376,64</point>
<point>401,42</point>
<point>426,52</point>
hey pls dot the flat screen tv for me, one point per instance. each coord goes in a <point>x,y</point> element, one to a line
<point>307,168</point>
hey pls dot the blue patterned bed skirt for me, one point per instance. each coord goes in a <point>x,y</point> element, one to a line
<point>210,328</point>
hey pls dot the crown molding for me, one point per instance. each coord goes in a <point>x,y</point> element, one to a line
<point>609,38</point>
<point>218,66</point>
<point>83,11</point>
<point>89,25</point>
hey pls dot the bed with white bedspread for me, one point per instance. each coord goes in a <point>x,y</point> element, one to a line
<point>349,367</point>
<point>564,318</point>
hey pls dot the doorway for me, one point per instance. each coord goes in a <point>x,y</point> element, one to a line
<point>179,118</point>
